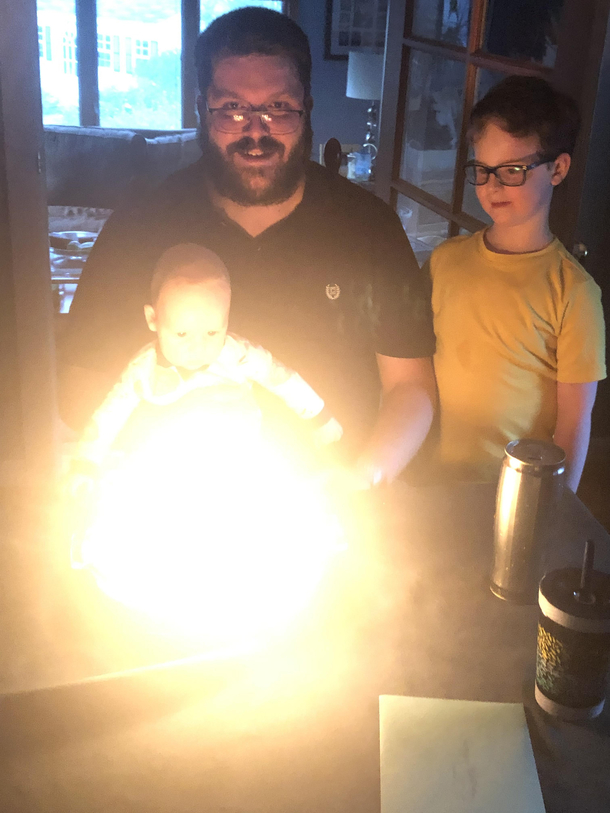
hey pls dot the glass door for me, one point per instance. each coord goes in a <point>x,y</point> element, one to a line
<point>441,57</point>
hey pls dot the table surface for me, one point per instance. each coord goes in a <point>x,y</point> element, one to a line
<point>406,610</point>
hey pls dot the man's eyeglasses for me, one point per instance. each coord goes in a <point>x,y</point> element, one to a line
<point>507,174</point>
<point>236,119</point>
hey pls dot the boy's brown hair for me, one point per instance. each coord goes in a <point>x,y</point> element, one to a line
<point>526,106</point>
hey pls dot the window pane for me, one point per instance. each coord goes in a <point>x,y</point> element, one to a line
<point>433,114</point>
<point>524,29</point>
<point>470,203</point>
<point>210,9</point>
<point>58,61</point>
<point>486,80</point>
<point>445,20</point>
<point>139,64</point>
<point>425,229</point>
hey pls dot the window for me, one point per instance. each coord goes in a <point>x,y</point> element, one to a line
<point>210,10</point>
<point>69,53</point>
<point>142,49</point>
<point>44,42</point>
<point>58,61</point>
<point>103,51</point>
<point>144,88</point>
<point>116,54</point>
<point>141,80</point>
<point>128,57</point>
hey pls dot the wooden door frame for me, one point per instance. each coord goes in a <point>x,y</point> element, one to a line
<point>24,260</point>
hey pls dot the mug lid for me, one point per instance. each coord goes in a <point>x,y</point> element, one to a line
<point>536,453</point>
<point>558,599</point>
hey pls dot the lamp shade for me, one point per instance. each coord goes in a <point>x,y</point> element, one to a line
<point>364,75</point>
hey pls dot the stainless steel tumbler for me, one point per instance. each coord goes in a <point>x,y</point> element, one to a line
<point>529,490</point>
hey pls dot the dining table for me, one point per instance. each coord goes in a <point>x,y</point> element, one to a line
<point>100,711</point>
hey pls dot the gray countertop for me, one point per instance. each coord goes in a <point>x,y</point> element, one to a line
<point>406,610</point>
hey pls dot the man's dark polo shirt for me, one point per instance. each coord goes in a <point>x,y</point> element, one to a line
<point>323,290</point>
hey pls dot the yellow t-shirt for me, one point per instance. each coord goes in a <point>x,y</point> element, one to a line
<point>508,328</point>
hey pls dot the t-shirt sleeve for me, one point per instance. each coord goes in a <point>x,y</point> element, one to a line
<point>106,325</point>
<point>581,351</point>
<point>402,292</point>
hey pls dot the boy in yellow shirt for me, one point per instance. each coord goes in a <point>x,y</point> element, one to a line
<point>519,322</point>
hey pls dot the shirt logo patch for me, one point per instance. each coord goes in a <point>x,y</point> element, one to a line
<point>333,291</point>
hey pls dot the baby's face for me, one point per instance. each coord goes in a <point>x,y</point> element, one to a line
<point>191,321</point>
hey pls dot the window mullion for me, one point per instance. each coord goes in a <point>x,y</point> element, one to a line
<point>190,31</point>
<point>86,43</point>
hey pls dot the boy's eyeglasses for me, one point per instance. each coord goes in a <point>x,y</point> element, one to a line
<point>507,174</point>
<point>236,119</point>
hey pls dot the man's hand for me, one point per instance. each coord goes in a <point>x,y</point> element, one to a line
<point>346,479</point>
<point>79,486</point>
<point>331,432</point>
<point>80,392</point>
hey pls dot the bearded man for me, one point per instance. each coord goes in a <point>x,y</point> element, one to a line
<point>322,273</point>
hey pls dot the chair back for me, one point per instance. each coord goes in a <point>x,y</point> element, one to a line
<point>332,155</point>
<point>102,168</point>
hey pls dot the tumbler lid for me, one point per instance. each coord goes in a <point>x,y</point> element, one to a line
<point>535,455</point>
<point>558,599</point>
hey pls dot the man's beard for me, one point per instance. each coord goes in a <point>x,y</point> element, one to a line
<point>232,183</point>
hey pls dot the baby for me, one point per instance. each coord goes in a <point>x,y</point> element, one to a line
<point>194,354</point>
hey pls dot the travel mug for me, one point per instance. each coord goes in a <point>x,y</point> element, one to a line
<point>573,651</point>
<point>529,490</point>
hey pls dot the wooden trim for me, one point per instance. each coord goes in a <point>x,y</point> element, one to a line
<point>479,58</point>
<point>401,111</point>
<point>291,9</point>
<point>461,156</point>
<point>465,221</point>
<point>476,35</point>
<point>419,195</point>
<point>390,96</point>
<point>86,45</point>
<point>437,48</point>
<point>27,258</point>
<point>502,63</point>
<point>191,22</point>
<point>408,20</point>
<point>440,207</point>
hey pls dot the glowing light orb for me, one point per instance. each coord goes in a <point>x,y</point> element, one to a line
<point>226,544</point>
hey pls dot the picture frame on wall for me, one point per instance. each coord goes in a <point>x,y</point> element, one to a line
<point>354,25</point>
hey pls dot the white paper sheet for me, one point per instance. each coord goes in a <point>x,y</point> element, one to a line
<point>456,756</point>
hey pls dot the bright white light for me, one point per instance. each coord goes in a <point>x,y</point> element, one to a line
<point>226,544</point>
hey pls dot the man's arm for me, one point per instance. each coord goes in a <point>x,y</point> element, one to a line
<point>573,427</point>
<point>404,420</point>
<point>80,392</point>
<point>106,325</point>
